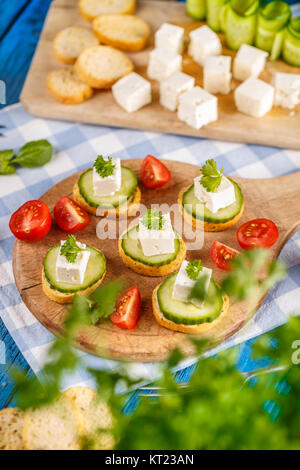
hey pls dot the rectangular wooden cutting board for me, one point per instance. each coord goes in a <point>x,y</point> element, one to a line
<point>278,128</point>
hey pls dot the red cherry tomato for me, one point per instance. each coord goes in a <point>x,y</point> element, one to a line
<point>154,173</point>
<point>31,222</point>
<point>257,233</point>
<point>128,309</point>
<point>69,216</point>
<point>222,255</point>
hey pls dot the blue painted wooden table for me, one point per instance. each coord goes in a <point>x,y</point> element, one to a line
<point>21,22</point>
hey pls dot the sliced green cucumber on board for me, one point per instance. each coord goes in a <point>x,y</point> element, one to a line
<point>132,248</point>
<point>186,313</point>
<point>94,271</point>
<point>194,207</point>
<point>128,186</point>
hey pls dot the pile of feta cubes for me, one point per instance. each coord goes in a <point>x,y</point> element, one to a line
<point>198,106</point>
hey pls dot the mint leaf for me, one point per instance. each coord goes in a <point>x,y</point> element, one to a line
<point>6,165</point>
<point>104,167</point>
<point>211,177</point>
<point>70,249</point>
<point>153,219</point>
<point>193,269</point>
<point>6,155</point>
<point>34,154</point>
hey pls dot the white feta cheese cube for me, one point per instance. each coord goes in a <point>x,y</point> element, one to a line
<point>254,97</point>
<point>204,42</point>
<point>72,273</point>
<point>162,63</point>
<point>172,87</point>
<point>157,242</point>
<point>110,184</point>
<point>217,75</point>
<point>197,107</point>
<point>132,92</point>
<point>183,284</point>
<point>169,36</point>
<point>249,62</point>
<point>223,197</point>
<point>287,89</point>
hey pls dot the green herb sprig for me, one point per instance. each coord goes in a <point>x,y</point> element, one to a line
<point>70,249</point>
<point>153,219</point>
<point>31,155</point>
<point>104,167</point>
<point>194,269</point>
<point>211,177</point>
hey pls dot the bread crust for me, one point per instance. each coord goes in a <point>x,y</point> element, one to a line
<point>129,8</point>
<point>153,271</point>
<point>206,226</point>
<point>66,297</point>
<point>133,42</point>
<point>97,81</point>
<point>190,329</point>
<point>83,93</point>
<point>66,59</point>
<point>129,209</point>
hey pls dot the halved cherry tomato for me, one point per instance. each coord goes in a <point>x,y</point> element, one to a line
<point>257,233</point>
<point>31,222</point>
<point>69,216</point>
<point>154,173</point>
<point>128,309</point>
<point>222,255</point>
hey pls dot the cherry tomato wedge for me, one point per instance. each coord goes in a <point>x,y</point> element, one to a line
<point>69,216</point>
<point>31,222</point>
<point>257,233</point>
<point>128,309</point>
<point>154,173</point>
<point>222,255</point>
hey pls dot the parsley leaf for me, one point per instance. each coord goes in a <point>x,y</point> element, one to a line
<point>193,269</point>
<point>211,178</point>
<point>104,167</point>
<point>153,219</point>
<point>104,298</point>
<point>70,249</point>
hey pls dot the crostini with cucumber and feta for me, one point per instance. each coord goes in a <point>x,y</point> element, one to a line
<point>214,202</point>
<point>175,309</point>
<point>70,268</point>
<point>152,247</point>
<point>108,187</point>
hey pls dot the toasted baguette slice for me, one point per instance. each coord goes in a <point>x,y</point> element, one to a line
<point>102,66</point>
<point>153,271</point>
<point>125,32</point>
<point>129,209</point>
<point>11,428</point>
<point>64,297</point>
<point>94,418</point>
<point>65,86</point>
<point>70,42</point>
<point>206,226</point>
<point>191,329</point>
<point>51,427</point>
<point>92,8</point>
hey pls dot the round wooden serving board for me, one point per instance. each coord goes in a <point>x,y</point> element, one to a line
<point>277,199</point>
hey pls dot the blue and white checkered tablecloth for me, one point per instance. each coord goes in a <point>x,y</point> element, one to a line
<point>75,148</point>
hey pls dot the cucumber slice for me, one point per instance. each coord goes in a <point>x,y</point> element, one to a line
<point>196,9</point>
<point>272,20</point>
<point>132,247</point>
<point>128,186</point>
<point>213,13</point>
<point>240,27</point>
<point>277,46</point>
<point>291,43</point>
<point>193,206</point>
<point>187,313</point>
<point>94,271</point>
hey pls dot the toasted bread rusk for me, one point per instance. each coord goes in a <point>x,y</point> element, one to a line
<point>206,226</point>
<point>154,271</point>
<point>89,9</point>
<point>125,32</point>
<point>66,297</point>
<point>65,86</point>
<point>11,429</point>
<point>129,209</point>
<point>191,329</point>
<point>101,66</point>
<point>70,42</point>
